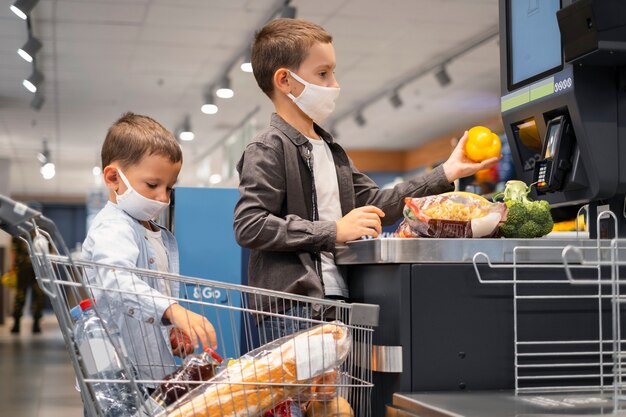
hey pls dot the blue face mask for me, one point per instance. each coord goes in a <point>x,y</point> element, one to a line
<point>136,205</point>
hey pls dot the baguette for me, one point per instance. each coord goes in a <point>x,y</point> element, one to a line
<point>241,390</point>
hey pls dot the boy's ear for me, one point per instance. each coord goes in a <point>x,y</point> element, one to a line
<point>111,177</point>
<point>282,81</point>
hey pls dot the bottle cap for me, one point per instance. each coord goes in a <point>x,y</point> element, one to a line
<point>85,304</point>
<point>214,354</point>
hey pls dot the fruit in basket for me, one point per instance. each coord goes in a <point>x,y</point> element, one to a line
<point>338,407</point>
<point>482,144</point>
<point>526,218</point>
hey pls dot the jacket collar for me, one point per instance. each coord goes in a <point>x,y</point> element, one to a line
<point>294,135</point>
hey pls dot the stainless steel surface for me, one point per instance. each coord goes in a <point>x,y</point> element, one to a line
<point>503,404</point>
<point>386,358</point>
<point>400,250</point>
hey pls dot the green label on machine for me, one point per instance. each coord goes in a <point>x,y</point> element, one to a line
<point>557,83</point>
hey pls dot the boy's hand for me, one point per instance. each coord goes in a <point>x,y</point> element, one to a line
<point>459,165</point>
<point>181,343</point>
<point>362,221</point>
<point>194,325</point>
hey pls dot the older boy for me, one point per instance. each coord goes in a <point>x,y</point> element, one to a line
<point>300,194</point>
<point>141,161</point>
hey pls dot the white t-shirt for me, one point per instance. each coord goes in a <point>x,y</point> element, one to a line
<point>329,209</point>
<point>156,241</point>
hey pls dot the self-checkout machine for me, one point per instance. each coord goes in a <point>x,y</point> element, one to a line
<point>563,105</point>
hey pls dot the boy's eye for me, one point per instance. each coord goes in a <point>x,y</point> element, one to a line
<point>151,185</point>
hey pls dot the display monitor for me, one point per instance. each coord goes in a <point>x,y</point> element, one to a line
<point>533,39</point>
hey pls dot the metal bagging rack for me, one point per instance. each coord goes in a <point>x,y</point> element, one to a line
<point>65,281</point>
<point>567,316</point>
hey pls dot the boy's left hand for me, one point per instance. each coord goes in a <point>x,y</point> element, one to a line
<point>459,165</point>
<point>181,343</point>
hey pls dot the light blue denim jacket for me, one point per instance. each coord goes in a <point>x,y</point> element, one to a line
<point>131,300</point>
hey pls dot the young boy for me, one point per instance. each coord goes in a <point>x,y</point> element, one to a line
<point>300,194</point>
<point>141,161</point>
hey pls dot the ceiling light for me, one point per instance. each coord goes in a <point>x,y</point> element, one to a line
<point>246,65</point>
<point>209,106</point>
<point>37,101</point>
<point>225,91</point>
<point>442,77</point>
<point>32,82</point>
<point>185,132</point>
<point>23,7</point>
<point>48,171</point>
<point>44,155</point>
<point>30,48</point>
<point>395,100</point>
<point>359,119</point>
<point>215,179</point>
<point>96,171</point>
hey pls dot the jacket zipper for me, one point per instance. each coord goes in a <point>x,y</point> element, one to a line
<point>318,258</point>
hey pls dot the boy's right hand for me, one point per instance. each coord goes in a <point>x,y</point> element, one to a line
<point>194,325</point>
<point>362,221</point>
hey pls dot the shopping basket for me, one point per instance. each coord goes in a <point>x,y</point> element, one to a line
<point>296,350</point>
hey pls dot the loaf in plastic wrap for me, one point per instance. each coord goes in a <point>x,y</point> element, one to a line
<point>288,364</point>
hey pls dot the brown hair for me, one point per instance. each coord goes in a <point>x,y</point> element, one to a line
<point>283,43</point>
<point>134,136</point>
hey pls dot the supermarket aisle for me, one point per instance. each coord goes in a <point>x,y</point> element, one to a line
<point>37,379</point>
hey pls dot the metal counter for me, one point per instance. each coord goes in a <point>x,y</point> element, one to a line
<point>501,404</point>
<point>440,328</point>
<point>400,250</point>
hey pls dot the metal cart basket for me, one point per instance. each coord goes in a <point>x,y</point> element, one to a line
<point>324,359</point>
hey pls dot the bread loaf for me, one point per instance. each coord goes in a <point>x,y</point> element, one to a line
<point>242,389</point>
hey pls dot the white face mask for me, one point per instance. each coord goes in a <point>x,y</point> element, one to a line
<point>136,205</point>
<point>315,101</point>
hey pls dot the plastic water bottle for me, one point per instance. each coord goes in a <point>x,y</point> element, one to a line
<point>102,362</point>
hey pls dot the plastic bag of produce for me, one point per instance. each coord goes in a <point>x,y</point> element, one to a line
<point>269,375</point>
<point>451,215</point>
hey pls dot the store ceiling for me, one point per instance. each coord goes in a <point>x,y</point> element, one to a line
<point>102,58</point>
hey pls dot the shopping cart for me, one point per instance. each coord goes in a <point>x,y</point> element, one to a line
<point>326,361</point>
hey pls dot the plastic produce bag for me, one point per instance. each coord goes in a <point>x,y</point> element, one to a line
<point>269,375</point>
<point>451,215</point>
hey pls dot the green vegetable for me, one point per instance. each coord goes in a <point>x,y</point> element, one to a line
<point>525,218</point>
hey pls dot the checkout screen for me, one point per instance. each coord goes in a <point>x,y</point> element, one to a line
<point>534,38</point>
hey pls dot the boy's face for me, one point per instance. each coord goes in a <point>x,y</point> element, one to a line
<point>317,68</point>
<point>153,177</point>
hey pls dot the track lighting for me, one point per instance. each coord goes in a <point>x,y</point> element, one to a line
<point>37,101</point>
<point>22,8</point>
<point>442,76</point>
<point>359,119</point>
<point>47,170</point>
<point>225,91</point>
<point>209,106</point>
<point>246,65</point>
<point>395,100</point>
<point>288,12</point>
<point>33,82</point>
<point>186,133</point>
<point>30,48</point>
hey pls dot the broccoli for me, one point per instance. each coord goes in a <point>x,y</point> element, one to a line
<point>525,218</point>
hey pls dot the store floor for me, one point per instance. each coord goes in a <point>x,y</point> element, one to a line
<point>36,377</point>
